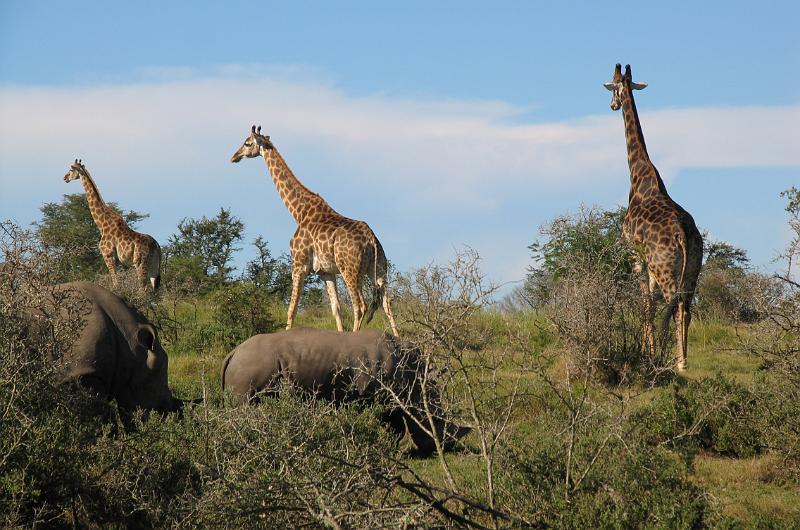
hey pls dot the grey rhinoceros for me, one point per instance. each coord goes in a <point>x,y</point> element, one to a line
<point>343,367</point>
<point>116,354</point>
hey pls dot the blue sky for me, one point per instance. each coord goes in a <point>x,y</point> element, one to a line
<point>439,123</point>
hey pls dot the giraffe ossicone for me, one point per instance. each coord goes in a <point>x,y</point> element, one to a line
<point>670,248</point>
<point>325,241</point>
<point>118,242</point>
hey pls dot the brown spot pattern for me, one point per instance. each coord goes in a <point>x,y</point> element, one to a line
<point>329,244</point>
<point>669,245</point>
<point>118,242</point>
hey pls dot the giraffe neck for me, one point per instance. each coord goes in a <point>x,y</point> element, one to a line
<point>645,179</point>
<point>299,200</point>
<point>97,206</point>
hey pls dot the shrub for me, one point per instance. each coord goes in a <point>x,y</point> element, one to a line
<point>589,233</point>
<point>714,414</point>
<point>242,310</point>
<point>286,463</point>
<point>585,286</point>
<point>44,426</point>
<point>617,481</point>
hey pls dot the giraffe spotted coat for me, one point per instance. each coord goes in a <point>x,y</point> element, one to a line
<point>118,242</point>
<point>667,244</point>
<point>325,241</point>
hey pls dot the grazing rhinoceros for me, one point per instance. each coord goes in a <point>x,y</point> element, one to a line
<point>116,353</point>
<point>342,367</point>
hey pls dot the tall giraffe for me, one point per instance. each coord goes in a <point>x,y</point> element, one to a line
<point>118,243</point>
<point>667,245</point>
<point>324,241</point>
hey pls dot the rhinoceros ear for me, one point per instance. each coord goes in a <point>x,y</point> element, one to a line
<point>146,336</point>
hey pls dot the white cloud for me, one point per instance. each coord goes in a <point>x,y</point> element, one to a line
<point>173,136</point>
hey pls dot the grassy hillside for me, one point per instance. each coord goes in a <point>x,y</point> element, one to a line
<point>574,423</point>
<point>753,491</point>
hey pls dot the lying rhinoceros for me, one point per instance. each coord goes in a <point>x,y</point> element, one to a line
<point>116,353</point>
<point>342,367</point>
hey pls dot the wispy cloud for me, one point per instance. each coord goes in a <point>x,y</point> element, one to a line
<point>176,131</point>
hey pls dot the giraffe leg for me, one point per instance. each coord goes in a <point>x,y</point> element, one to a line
<point>672,311</point>
<point>387,308</point>
<point>353,283</point>
<point>646,285</point>
<point>299,273</point>
<point>110,258</point>
<point>682,319</point>
<point>333,296</point>
<point>141,269</point>
<point>147,265</point>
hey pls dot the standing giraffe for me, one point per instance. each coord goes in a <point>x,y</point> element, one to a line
<point>667,245</point>
<point>325,241</point>
<point>118,243</point>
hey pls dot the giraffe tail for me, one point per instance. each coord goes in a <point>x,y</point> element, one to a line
<point>377,291</point>
<point>684,248</point>
<point>154,265</point>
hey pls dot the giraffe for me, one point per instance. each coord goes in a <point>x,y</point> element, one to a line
<point>325,241</point>
<point>118,243</point>
<point>668,248</point>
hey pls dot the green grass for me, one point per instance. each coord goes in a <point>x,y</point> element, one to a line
<point>712,348</point>
<point>750,491</point>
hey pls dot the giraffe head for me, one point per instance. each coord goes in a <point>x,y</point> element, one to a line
<point>76,171</point>
<point>253,145</point>
<point>619,83</point>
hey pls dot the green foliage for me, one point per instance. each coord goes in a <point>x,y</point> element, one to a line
<point>201,252</point>
<point>241,310</point>
<point>792,196</point>
<point>722,255</point>
<point>723,289</point>
<point>589,234</point>
<point>245,467</point>
<point>714,414</point>
<point>274,275</point>
<point>777,417</point>
<point>614,483</point>
<point>572,454</point>
<point>69,233</point>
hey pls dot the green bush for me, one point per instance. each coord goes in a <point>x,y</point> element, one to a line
<point>714,414</point>
<point>242,310</point>
<point>612,483</point>
<point>288,462</point>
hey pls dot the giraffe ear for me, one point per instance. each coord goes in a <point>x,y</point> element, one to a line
<point>611,86</point>
<point>638,86</point>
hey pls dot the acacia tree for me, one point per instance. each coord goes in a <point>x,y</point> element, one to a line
<point>202,250</point>
<point>269,273</point>
<point>722,287</point>
<point>67,229</point>
<point>591,231</point>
